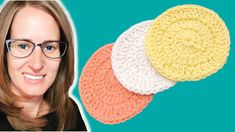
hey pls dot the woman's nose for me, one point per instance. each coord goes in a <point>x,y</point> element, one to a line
<point>36,61</point>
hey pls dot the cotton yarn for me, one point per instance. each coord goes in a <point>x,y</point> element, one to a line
<point>130,64</point>
<point>103,96</point>
<point>187,43</point>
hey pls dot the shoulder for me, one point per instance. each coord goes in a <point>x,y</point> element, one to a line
<point>75,105</point>
<point>80,125</point>
<point>5,124</point>
<point>2,116</point>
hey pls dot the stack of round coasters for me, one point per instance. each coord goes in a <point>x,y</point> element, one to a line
<point>130,63</point>
<point>187,43</point>
<point>103,96</point>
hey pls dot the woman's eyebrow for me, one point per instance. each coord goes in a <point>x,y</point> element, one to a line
<point>50,41</point>
<point>23,39</point>
<point>29,40</point>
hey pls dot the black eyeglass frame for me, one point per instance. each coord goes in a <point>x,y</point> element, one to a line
<point>35,45</point>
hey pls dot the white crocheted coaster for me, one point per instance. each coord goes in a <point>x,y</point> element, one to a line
<point>131,66</point>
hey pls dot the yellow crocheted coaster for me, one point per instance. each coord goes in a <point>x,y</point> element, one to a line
<point>187,43</point>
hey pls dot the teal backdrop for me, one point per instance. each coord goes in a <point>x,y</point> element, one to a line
<point>206,105</point>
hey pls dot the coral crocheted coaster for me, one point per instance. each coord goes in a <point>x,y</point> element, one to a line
<point>131,65</point>
<point>187,42</point>
<point>103,96</point>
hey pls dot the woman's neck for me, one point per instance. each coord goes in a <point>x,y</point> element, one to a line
<point>32,106</point>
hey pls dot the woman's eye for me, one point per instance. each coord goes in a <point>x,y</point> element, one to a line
<point>23,46</point>
<point>50,48</point>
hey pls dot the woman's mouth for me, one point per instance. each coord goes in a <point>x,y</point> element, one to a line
<point>34,77</point>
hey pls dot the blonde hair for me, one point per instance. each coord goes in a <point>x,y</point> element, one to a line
<point>57,95</point>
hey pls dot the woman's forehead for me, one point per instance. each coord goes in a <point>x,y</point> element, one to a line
<point>35,24</point>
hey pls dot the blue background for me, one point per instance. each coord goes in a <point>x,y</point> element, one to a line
<point>206,105</point>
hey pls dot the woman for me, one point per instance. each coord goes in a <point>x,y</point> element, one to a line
<point>37,68</point>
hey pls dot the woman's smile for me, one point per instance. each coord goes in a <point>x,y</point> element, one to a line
<point>34,77</point>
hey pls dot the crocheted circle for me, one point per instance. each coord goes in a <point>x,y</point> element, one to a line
<point>131,66</point>
<point>103,96</point>
<point>187,42</point>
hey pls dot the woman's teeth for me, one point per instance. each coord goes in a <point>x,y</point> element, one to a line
<point>33,77</point>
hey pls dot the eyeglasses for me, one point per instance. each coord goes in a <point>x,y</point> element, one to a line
<point>21,48</point>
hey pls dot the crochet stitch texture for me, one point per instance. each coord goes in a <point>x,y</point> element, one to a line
<point>103,96</point>
<point>130,63</point>
<point>187,43</point>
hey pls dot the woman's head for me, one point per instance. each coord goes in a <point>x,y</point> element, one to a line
<point>37,22</point>
<point>34,74</point>
<point>31,33</point>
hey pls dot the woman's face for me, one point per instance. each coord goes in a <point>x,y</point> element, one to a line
<point>33,75</point>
